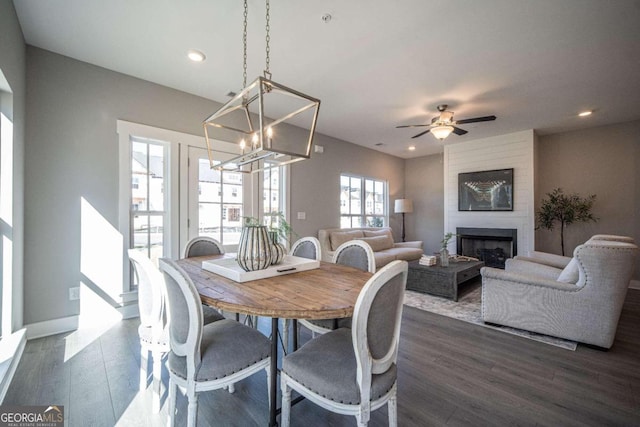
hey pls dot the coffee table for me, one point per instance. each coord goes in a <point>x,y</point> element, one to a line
<point>442,281</point>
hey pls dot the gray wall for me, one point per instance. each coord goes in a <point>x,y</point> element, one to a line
<point>13,66</point>
<point>73,154</point>
<point>604,161</point>
<point>424,184</point>
<point>315,187</point>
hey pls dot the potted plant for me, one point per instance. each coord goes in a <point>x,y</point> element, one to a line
<point>565,209</point>
<point>444,252</point>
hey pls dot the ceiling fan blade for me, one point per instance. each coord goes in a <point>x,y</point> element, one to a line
<point>459,131</point>
<point>420,134</point>
<point>410,126</point>
<point>475,120</point>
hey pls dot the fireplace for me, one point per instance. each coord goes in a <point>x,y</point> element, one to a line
<point>491,245</point>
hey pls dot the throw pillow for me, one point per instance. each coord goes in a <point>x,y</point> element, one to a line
<point>339,237</point>
<point>381,232</point>
<point>570,274</point>
<point>378,243</point>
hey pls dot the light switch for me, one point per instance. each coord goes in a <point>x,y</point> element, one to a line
<point>302,215</point>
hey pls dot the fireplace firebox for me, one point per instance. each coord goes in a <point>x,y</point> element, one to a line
<point>493,246</point>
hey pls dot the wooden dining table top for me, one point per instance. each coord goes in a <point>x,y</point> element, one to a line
<point>327,292</point>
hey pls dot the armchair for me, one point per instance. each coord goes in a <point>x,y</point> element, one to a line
<point>586,309</point>
<point>559,261</point>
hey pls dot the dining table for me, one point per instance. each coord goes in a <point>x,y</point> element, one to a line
<point>327,292</point>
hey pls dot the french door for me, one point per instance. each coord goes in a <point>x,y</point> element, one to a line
<point>217,201</point>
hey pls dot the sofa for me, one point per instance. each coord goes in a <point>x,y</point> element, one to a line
<point>580,302</point>
<point>380,239</point>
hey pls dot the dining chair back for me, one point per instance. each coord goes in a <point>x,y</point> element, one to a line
<point>152,331</point>
<point>202,246</point>
<point>323,369</point>
<point>205,357</point>
<point>307,247</point>
<point>354,253</point>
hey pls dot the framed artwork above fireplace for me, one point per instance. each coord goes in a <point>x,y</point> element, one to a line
<point>486,190</point>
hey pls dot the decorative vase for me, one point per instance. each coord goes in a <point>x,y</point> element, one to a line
<point>444,257</point>
<point>254,250</point>
<point>277,249</point>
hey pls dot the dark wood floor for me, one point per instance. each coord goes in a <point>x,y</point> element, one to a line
<point>450,373</point>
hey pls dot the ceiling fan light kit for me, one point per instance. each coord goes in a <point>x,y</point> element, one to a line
<point>257,119</point>
<point>443,125</point>
<point>441,132</point>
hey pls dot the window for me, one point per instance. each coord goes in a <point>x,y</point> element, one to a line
<point>148,208</point>
<point>271,195</point>
<point>219,204</point>
<point>363,202</point>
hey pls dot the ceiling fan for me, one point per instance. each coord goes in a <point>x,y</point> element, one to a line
<point>442,125</point>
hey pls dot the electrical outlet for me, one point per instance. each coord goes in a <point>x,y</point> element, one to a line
<point>74,293</point>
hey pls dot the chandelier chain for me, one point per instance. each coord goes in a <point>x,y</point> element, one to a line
<point>244,44</point>
<point>268,39</point>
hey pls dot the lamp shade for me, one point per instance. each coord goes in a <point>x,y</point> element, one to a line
<point>404,206</point>
<point>441,132</point>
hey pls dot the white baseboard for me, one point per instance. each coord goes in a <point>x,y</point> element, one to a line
<point>70,323</point>
<point>634,284</point>
<point>11,349</point>
<point>52,327</point>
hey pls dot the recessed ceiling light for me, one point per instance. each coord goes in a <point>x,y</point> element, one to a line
<point>585,113</point>
<point>196,55</point>
<point>412,148</point>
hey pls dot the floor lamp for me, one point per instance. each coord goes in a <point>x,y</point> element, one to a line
<point>403,206</point>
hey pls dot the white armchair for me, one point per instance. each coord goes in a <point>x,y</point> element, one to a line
<point>583,305</point>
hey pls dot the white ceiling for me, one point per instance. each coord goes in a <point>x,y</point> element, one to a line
<point>377,64</point>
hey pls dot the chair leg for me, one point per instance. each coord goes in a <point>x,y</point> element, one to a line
<point>285,414</point>
<point>144,363</point>
<point>268,371</point>
<point>232,388</point>
<point>392,408</point>
<point>173,388</point>
<point>192,411</point>
<point>362,416</point>
<point>285,335</point>
<point>157,379</point>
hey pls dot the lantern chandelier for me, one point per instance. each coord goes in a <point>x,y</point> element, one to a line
<point>256,119</point>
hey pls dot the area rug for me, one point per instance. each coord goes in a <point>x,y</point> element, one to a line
<point>467,309</point>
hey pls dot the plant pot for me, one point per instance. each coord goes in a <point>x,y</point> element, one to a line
<point>255,249</point>
<point>277,249</point>
<point>444,257</point>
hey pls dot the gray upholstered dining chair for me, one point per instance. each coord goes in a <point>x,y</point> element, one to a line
<point>354,253</point>
<point>201,246</point>
<point>305,247</point>
<point>353,371</point>
<point>153,331</point>
<point>205,357</point>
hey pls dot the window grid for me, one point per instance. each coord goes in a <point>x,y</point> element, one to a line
<point>363,202</point>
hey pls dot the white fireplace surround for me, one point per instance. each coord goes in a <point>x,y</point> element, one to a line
<point>515,150</point>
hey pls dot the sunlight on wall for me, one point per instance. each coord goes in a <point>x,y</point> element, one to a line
<point>6,217</point>
<point>6,169</point>
<point>101,268</point>
<point>101,252</point>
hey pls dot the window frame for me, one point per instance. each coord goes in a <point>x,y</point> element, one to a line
<point>362,215</point>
